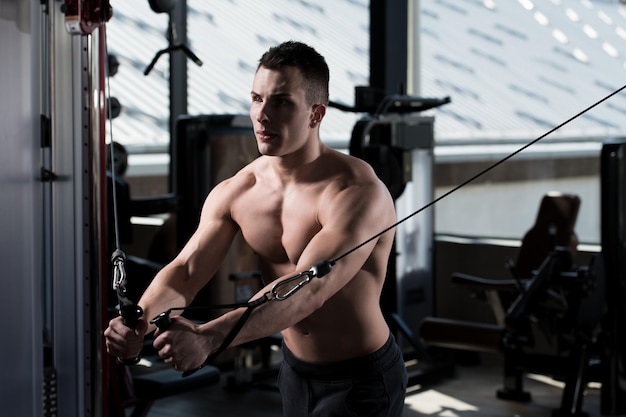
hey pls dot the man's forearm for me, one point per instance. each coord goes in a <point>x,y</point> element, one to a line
<point>164,292</point>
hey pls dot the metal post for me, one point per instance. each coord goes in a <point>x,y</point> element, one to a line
<point>388,46</point>
<point>178,67</point>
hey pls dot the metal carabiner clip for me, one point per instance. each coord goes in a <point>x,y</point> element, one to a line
<point>119,271</point>
<point>318,270</point>
<point>119,276</point>
<point>308,275</point>
<point>130,312</point>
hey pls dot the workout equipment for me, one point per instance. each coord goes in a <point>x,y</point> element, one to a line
<point>557,319</point>
<point>398,143</point>
<point>174,44</point>
<point>399,149</point>
<point>613,236</point>
<point>280,291</point>
<point>206,150</point>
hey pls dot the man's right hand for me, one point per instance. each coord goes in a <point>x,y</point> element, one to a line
<point>122,341</point>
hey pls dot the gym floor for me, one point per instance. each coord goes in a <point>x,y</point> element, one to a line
<point>469,392</point>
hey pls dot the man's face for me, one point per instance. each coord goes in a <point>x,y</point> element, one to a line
<point>281,118</point>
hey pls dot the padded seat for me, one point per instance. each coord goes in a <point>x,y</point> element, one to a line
<point>456,334</point>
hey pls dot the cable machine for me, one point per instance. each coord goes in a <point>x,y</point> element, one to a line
<point>74,272</point>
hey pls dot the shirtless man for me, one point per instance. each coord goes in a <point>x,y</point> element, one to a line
<point>300,202</point>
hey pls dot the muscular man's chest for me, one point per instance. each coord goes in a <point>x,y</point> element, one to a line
<point>277,226</point>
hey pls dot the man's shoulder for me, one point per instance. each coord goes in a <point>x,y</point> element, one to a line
<point>350,179</point>
<point>349,165</point>
<point>349,171</point>
<point>240,181</point>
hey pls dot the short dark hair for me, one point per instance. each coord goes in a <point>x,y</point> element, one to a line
<point>311,64</point>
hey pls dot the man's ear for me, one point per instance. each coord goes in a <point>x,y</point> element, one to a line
<point>319,111</point>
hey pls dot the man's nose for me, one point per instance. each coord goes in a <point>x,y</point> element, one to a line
<point>261,115</point>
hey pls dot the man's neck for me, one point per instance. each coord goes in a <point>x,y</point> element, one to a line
<point>295,166</point>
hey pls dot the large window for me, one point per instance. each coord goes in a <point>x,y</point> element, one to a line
<point>514,70</point>
<point>229,38</point>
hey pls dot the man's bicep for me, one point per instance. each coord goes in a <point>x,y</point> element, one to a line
<point>351,220</point>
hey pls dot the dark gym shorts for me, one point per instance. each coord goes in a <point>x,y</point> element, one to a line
<point>374,385</point>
